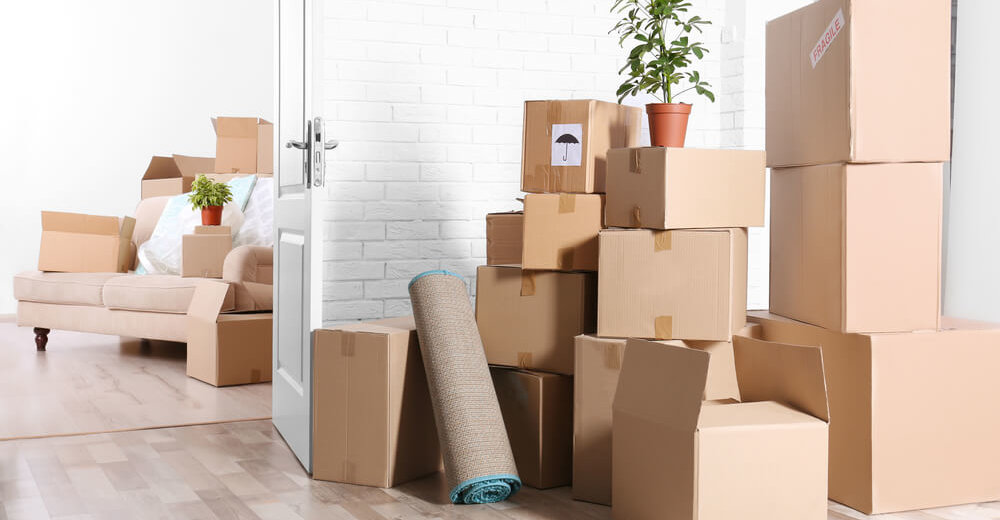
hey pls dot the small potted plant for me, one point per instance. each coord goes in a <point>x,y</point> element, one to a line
<point>657,63</point>
<point>209,196</point>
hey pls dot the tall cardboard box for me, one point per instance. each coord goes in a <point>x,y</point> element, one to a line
<point>243,145</point>
<point>680,284</point>
<point>226,349</point>
<point>78,243</point>
<point>566,143</point>
<point>560,231</point>
<point>679,457</point>
<point>203,253</point>
<point>373,424</point>
<point>173,175</point>
<point>847,82</point>
<point>675,188</point>
<point>537,410</point>
<point>598,364</point>
<point>504,238</point>
<point>915,421</point>
<point>857,247</point>
<point>528,319</point>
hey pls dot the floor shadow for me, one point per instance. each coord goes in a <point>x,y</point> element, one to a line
<point>150,348</point>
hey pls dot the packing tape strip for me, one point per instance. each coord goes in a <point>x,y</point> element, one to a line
<point>553,115</point>
<point>524,359</point>
<point>663,327</point>
<point>613,356</point>
<point>527,283</point>
<point>564,258</point>
<point>567,203</point>
<point>633,161</point>
<point>347,344</point>
<point>636,216</point>
<point>661,241</point>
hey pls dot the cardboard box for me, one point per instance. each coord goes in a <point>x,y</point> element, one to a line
<point>373,424</point>
<point>560,231</point>
<point>566,143</point>
<point>841,77</point>
<point>504,238</point>
<point>857,247</point>
<point>537,410</point>
<point>915,422</point>
<point>681,284</point>
<point>528,319</point>
<point>78,243</point>
<point>598,363</point>
<point>243,145</point>
<point>673,188</point>
<point>226,349</point>
<point>204,253</point>
<point>173,175</point>
<point>762,458</point>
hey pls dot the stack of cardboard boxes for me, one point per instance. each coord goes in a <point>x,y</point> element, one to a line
<point>858,119</point>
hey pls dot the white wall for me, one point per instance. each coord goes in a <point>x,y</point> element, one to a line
<point>90,90</point>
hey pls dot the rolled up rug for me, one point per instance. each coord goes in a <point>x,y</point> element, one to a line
<point>478,463</point>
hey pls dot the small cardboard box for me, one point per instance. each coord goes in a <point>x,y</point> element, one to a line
<point>915,421</point>
<point>537,410</point>
<point>504,238</point>
<point>674,188</point>
<point>857,247</point>
<point>78,243</point>
<point>528,319</point>
<point>243,145</point>
<point>598,364</point>
<point>204,253</point>
<point>566,143</point>
<point>560,231</point>
<point>680,284</point>
<point>373,424</point>
<point>226,349</point>
<point>173,175</point>
<point>679,457</point>
<point>840,80</point>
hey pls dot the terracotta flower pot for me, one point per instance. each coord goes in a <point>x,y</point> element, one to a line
<point>668,123</point>
<point>211,216</point>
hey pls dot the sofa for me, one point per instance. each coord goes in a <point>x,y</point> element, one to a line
<point>141,306</point>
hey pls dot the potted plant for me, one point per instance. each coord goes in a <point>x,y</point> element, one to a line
<point>209,196</point>
<point>657,63</point>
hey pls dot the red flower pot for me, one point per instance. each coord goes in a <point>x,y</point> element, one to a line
<point>668,123</point>
<point>211,216</point>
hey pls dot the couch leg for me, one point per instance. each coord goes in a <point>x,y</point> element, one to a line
<point>41,338</point>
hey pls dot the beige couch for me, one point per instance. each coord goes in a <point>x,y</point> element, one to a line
<point>142,306</point>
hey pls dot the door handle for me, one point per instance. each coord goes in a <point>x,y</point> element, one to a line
<point>298,145</point>
<point>331,144</point>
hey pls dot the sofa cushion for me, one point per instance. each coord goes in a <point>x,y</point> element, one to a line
<point>63,288</point>
<point>155,293</point>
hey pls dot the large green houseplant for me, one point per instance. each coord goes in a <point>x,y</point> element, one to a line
<point>209,196</point>
<point>661,57</point>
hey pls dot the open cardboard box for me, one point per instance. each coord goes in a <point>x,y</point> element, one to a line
<point>679,457</point>
<point>173,175</point>
<point>243,145</point>
<point>226,349</point>
<point>78,243</point>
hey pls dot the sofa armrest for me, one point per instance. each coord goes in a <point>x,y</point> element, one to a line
<point>250,269</point>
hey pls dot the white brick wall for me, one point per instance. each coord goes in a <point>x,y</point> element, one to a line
<point>426,98</point>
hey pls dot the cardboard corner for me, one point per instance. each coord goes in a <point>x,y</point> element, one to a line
<point>662,383</point>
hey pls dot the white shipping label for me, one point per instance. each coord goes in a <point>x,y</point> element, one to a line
<point>567,144</point>
<point>831,32</point>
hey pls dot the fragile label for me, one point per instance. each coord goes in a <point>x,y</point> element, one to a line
<point>831,32</point>
<point>567,147</point>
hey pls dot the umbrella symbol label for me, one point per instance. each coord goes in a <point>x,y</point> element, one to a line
<point>567,149</point>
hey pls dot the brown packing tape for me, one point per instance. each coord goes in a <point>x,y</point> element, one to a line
<point>527,283</point>
<point>255,375</point>
<point>661,241</point>
<point>551,177</point>
<point>564,258</point>
<point>613,356</point>
<point>524,359</point>
<point>636,217</point>
<point>347,344</point>
<point>633,161</point>
<point>567,203</point>
<point>663,327</point>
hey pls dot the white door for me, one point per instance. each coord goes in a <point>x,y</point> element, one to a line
<point>299,178</point>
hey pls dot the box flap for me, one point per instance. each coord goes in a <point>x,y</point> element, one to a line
<point>81,223</point>
<point>191,166</point>
<point>207,301</point>
<point>788,374</point>
<point>161,168</point>
<point>662,383</point>
<point>236,127</point>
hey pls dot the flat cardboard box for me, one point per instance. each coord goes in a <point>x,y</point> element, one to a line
<point>243,145</point>
<point>537,410</point>
<point>373,424</point>
<point>679,457</point>
<point>226,349</point>
<point>676,188</point>
<point>857,248</point>
<point>841,77</point>
<point>204,253</point>
<point>504,238</point>
<point>78,243</point>
<point>679,284</point>
<point>566,143</point>
<point>915,421</point>
<point>173,175</point>
<point>528,319</point>
<point>560,231</point>
<point>598,364</point>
